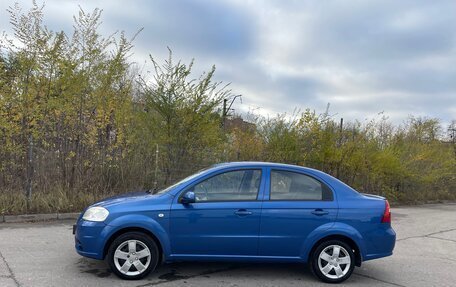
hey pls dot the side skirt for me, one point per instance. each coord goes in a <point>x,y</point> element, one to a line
<point>232,258</point>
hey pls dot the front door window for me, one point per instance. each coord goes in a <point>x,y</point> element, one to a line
<point>239,185</point>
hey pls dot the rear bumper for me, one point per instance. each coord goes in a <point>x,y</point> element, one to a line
<point>382,244</point>
<point>89,238</point>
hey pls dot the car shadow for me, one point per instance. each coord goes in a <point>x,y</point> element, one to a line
<point>216,270</point>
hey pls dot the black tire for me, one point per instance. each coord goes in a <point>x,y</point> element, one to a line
<point>139,238</point>
<point>315,258</point>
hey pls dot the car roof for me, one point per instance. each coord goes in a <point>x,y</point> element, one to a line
<point>334,182</point>
<point>258,163</point>
<point>243,164</point>
<point>328,179</point>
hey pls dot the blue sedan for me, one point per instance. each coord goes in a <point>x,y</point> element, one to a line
<point>243,211</point>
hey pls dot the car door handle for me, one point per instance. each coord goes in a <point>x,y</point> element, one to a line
<point>319,212</point>
<point>242,212</point>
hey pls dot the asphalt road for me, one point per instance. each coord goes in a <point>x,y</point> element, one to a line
<point>425,255</point>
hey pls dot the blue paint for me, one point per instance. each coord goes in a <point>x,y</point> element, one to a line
<point>257,230</point>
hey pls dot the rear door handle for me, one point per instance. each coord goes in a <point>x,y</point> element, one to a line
<point>319,212</point>
<point>242,212</point>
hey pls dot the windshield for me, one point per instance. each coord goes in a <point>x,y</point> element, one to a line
<point>188,178</point>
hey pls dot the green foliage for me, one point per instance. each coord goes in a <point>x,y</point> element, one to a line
<point>182,116</point>
<point>409,164</point>
<point>78,123</point>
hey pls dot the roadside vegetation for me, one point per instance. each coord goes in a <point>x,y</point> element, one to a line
<point>78,122</point>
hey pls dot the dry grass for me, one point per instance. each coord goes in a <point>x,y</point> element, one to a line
<point>49,202</point>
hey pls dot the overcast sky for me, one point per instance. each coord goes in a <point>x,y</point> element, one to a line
<point>362,57</point>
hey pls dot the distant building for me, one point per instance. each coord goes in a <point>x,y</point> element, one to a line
<point>239,123</point>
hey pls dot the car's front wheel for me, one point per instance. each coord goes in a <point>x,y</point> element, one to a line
<point>133,255</point>
<point>333,261</point>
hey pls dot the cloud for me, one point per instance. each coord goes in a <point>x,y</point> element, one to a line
<point>363,57</point>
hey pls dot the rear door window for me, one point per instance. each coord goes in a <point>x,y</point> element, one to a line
<point>288,185</point>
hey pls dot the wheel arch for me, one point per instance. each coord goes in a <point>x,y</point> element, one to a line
<point>141,223</point>
<point>341,231</point>
<point>133,229</point>
<point>345,239</point>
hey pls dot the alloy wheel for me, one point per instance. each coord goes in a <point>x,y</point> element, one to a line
<point>132,257</point>
<point>334,261</point>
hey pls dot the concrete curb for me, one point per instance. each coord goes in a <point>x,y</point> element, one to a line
<point>37,217</point>
<point>63,216</point>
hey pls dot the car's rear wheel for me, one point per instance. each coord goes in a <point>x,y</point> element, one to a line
<point>133,255</point>
<point>333,261</point>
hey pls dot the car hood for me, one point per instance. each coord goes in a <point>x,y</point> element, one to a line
<point>128,197</point>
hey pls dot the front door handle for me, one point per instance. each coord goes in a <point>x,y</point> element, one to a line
<point>242,212</point>
<point>319,212</point>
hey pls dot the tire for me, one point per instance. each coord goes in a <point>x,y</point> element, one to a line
<point>334,269</point>
<point>133,255</point>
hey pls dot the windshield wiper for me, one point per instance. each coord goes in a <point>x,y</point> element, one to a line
<point>151,191</point>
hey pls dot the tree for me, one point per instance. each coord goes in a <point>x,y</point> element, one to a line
<point>184,115</point>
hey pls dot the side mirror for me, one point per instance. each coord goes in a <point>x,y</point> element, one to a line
<point>188,197</point>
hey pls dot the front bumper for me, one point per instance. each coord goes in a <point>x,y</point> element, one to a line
<point>90,238</point>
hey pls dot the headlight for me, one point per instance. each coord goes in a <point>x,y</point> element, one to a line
<point>96,213</point>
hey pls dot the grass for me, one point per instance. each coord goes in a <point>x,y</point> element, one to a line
<point>56,201</point>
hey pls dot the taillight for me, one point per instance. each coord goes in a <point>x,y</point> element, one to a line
<point>387,214</point>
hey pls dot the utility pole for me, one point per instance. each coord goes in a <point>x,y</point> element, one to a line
<point>30,171</point>
<point>156,167</point>
<point>227,109</point>
<point>341,129</point>
<point>224,113</point>
<point>452,129</point>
